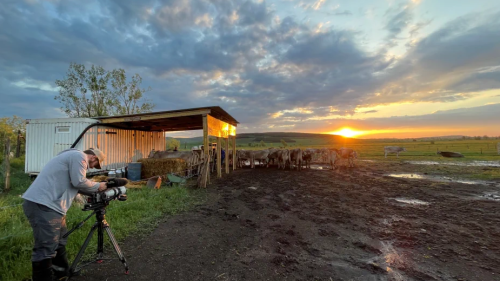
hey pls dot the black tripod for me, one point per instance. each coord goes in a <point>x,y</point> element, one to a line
<point>101,225</point>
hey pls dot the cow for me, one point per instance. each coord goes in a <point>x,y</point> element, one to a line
<point>347,154</point>
<point>296,158</point>
<point>332,158</point>
<point>283,158</point>
<point>245,155</point>
<point>273,155</point>
<point>393,149</point>
<point>261,156</point>
<point>307,156</point>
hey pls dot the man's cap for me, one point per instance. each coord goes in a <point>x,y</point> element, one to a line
<point>100,156</point>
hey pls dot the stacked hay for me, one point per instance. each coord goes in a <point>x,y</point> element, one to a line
<point>161,167</point>
<point>99,178</point>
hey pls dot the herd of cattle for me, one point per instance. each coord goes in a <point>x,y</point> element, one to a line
<point>295,158</point>
<point>291,158</point>
<point>284,158</point>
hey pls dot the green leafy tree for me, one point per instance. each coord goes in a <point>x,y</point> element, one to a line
<point>96,92</point>
<point>173,143</point>
<point>283,142</point>
<point>9,128</point>
<point>262,143</point>
<point>129,94</point>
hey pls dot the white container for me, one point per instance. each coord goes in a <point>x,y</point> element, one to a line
<point>45,138</point>
<point>112,174</point>
<point>119,173</point>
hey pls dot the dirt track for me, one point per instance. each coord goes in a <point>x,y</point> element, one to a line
<point>266,224</point>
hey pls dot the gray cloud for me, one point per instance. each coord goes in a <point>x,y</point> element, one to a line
<point>398,19</point>
<point>233,54</point>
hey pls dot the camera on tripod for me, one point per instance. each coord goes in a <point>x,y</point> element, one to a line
<point>116,190</point>
<point>98,199</point>
<point>97,203</point>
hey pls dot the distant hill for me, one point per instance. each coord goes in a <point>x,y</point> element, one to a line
<point>274,139</point>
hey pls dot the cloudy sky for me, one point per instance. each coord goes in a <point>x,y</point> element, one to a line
<point>387,68</point>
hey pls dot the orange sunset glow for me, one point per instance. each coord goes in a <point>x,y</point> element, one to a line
<point>347,132</point>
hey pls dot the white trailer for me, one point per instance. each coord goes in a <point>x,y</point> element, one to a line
<point>45,138</point>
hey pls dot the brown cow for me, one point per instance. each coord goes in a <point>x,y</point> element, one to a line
<point>296,158</point>
<point>245,155</point>
<point>283,158</point>
<point>261,156</point>
<point>348,154</point>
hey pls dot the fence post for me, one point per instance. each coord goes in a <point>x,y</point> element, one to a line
<point>7,165</point>
<point>18,147</point>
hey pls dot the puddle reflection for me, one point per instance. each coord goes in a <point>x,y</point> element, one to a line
<point>438,178</point>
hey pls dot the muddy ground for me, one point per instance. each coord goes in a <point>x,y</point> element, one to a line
<point>269,224</point>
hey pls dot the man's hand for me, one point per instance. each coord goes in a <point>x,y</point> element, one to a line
<point>102,186</point>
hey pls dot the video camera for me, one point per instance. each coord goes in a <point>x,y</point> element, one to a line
<point>116,190</point>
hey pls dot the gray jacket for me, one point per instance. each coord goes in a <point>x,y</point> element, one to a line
<point>60,180</point>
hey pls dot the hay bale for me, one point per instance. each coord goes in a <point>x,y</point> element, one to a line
<point>99,178</point>
<point>161,167</point>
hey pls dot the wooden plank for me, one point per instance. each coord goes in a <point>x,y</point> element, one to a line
<point>234,152</point>
<point>226,159</point>
<point>219,156</point>
<point>156,116</point>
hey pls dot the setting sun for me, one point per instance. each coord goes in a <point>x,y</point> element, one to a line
<point>347,132</point>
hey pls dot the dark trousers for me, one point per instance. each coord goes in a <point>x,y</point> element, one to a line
<point>48,228</point>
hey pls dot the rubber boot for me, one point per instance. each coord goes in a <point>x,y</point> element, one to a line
<point>42,270</point>
<point>60,264</point>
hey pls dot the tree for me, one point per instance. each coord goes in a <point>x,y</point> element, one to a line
<point>283,142</point>
<point>262,143</point>
<point>9,126</point>
<point>88,93</point>
<point>172,143</point>
<point>129,94</point>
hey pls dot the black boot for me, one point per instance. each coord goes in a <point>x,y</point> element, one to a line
<point>60,264</point>
<point>42,270</point>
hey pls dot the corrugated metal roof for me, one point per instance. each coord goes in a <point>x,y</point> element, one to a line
<point>173,120</point>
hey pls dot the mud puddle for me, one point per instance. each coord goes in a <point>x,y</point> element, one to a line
<point>441,179</point>
<point>463,164</point>
<point>495,195</point>
<point>411,201</point>
<point>319,167</point>
<point>390,262</point>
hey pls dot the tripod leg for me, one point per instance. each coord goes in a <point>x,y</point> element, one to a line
<point>74,265</point>
<point>118,251</point>
<point>100,242</point>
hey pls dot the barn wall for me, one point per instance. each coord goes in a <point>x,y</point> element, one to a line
<point>122,146</point>
<point>43,142</point>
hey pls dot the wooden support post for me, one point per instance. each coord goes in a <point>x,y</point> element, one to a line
<point>205,135</point>
<point>219,156</point>
<point>7,165</point>
<point>18,147</point>
<point>234,152</point>
<point>226,155</point>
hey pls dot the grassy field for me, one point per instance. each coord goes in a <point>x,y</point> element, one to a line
<point>374,149</point>
<point>139,214</point>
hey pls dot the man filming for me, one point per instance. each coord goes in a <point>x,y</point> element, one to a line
<point>46,202</point>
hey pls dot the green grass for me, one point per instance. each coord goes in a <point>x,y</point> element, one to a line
<point>138,215</point>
